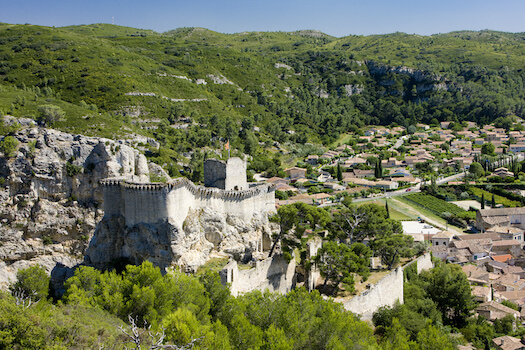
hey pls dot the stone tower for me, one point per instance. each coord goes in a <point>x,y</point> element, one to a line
<point>230,175</point>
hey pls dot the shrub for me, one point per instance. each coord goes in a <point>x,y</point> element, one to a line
<point>32,282</point>
<point>8,146</point>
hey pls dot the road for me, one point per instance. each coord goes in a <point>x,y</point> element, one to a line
<point>416,188</point>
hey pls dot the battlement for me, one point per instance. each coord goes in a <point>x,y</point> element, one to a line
<point>150,203</point>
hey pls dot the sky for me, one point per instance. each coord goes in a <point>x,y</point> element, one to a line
<point>334,17</point>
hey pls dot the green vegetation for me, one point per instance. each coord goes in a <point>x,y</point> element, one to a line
<point>434,204</point>
<point>479,193</point>
<point>290,88</point>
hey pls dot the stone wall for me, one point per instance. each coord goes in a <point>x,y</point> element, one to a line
<point>424,262</point>
<point>154,203</point>
<point>385,292</point>
<point>236,174</point>
<point>214,173</point>
<point>274,274</point>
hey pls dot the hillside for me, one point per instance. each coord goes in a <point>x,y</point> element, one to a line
<point>192,88</point>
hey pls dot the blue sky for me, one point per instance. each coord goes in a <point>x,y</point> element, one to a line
<point>335,17</point>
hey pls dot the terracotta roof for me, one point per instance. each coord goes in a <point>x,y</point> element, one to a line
<point>502,258</point>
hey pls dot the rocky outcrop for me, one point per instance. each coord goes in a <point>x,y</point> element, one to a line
<point>204,233</point>
<point>51,213</point>
<point>50,194</point>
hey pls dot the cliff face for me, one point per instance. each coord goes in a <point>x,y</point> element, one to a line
<point>50,196</point>
<point>51,211</point>
<point>205,233</point>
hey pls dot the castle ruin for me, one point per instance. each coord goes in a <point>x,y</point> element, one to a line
<point>153,221</point>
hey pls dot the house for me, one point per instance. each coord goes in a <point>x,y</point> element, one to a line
<point>312,159</point>
<point>295,172</point>
<point>508,232</point>
<point>517,147</point>
<point>386,185</point>
<point>440,251</point>
<point>505,246</point>
<point>363,173</point>
<point>492,311</point>
<point>515,296</point>
<point>507,342</point>
<point>444,125</point>
<point>507,283</point>
<point>487,218</point>
<point>502,172</point>
<point>390,163</point>
<point>441,239</point>
<point>482,294</point>
<point>350,162</point>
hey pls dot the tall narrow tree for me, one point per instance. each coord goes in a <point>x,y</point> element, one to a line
<point>483,201</point>
<point>339,172</point>
<point>493,203</point>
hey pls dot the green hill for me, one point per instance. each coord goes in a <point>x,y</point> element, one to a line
<point>297,87</point>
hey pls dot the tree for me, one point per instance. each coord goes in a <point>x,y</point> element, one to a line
<point>50,114</point>
<point>396,337</point>
<point>493,201</point>
<point>339,172</point>
<point>449,288</point>
<point>8,146</point>
<point>476,169</point>
<point>387,210</point>
<point>391,247</point>
<point>32,283</point>
<point>482,200</point>
<point>338,262</point>
<point>368,220</point>
<point>432,338</point>
<point>378,170</point>
<point>488,149</point>
<point>286,217</point>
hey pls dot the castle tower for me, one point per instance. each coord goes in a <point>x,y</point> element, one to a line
<point>229,175</point>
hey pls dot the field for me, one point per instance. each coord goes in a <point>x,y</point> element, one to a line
<point>498,199</point>
<point>434,204</point>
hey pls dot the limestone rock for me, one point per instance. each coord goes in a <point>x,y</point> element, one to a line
<point>50,195</point>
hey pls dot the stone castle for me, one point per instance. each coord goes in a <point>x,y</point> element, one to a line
<point>171,223</point>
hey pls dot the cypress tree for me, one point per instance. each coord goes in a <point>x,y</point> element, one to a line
<point>493,201</point>
<point>483,201</point>
<point>387,211</point>
<point>339,172</point>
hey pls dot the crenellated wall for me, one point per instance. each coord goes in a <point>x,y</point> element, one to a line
<point>157,202</point>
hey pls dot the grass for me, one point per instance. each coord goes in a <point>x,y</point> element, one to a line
<point>396,213</point>
<point>498,199</point>
<point>214,264</point>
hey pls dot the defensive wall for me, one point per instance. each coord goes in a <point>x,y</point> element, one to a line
<point>386,291</point>
<point>274,274</point>
<point>151,203</point>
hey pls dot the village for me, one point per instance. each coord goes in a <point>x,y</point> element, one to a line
<point>406,156</point>
<point>491,253</point>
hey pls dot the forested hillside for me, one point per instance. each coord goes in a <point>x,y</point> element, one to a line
<point>192,88</point>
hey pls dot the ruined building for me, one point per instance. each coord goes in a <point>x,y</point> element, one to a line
<point>181,223</point>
